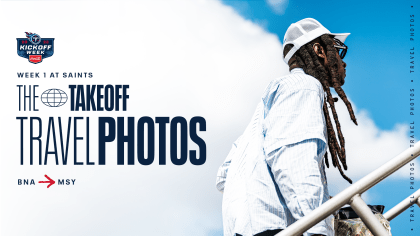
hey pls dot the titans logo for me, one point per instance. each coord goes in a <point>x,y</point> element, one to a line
<point>35,48</point>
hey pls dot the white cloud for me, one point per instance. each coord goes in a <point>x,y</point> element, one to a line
<point>278,6</point>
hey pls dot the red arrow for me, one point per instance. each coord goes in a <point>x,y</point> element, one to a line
<point>50,181</point>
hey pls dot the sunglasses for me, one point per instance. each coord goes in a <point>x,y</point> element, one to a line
<point>341,48</point>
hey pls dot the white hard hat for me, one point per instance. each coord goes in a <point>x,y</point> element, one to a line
<point>304,31</point>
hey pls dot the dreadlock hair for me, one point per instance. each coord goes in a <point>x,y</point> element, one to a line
<point>307,59</point>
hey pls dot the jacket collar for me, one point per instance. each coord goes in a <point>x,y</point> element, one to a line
<point>297,70</point>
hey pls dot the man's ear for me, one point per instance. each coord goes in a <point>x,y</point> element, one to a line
<point>319,50</point>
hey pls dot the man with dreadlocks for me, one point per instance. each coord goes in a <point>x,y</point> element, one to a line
<point>276,168</point>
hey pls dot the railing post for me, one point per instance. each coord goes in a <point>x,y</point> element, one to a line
<point>364,212</point>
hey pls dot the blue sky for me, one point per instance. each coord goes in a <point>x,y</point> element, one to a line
<point>378,76</point>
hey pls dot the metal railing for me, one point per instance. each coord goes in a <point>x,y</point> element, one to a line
<point>402,206</point>
<point>351,195</point>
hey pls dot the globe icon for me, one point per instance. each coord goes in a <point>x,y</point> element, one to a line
<point>54,97</point>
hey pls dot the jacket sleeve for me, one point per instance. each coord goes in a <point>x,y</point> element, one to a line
<point>298,170</point>
<point>295,143</point>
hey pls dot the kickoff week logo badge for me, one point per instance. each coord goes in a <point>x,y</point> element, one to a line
<point>34,47</point>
